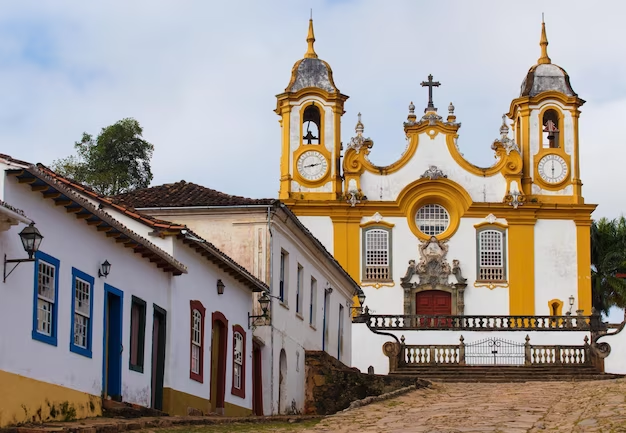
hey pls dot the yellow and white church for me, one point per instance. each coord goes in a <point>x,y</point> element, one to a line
<point>511,239</point>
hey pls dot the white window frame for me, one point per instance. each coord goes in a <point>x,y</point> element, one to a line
<point>196,342</point>
<point>82,315</point>
<point>238,360</point>
<point>490,267</point>
<point>377,250</point>
<point>431,217</point>
<point>46,304</point>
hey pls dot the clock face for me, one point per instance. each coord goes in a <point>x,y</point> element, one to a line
<point>552,169</point>
<point>312,165</point>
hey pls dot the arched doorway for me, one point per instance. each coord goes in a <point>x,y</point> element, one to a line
<point>282,383</point>
<point>433,303</point>
<point>218,361</point>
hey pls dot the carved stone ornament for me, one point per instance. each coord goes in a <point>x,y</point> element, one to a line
<point>433,173</point>
<point>377,217</point>
<point>353,195</point>
<point>507,143</point>
<point>433,272</point>
<point>515,199</point>
<point>359,141</point>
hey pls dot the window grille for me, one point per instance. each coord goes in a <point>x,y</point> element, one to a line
<point>238,360</point>
<point>196,342</point>
<point>82,294</point>
<point>432,219</point>
<point>45,297</point>
<point>491,256</point>
<point>377,255</point>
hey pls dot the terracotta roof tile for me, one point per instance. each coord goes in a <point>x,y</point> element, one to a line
<point>183,194</point>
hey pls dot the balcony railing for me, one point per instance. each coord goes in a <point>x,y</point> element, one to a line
<point>480,323</point>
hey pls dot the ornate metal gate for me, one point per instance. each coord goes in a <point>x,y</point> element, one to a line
<point>494,351</point>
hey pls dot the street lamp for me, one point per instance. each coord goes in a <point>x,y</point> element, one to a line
<point>31,240</point>
<point>264,302</point>
<point>361,298</point>
<point>571,304</point>
<point>104,270</point>
<point>220,287</point>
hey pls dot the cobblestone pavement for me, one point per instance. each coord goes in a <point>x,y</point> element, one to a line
<point>598,406</point>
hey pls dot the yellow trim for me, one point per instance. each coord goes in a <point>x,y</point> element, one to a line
<point>490,286</point>
<point>560,151</point>
<point>285,177</point>
<point>321,109</point>
<point>180,403</point>
<point>347,243</point>
<point>379,223</point>
<point>487,223</point>
<point>25,400</point>
<point>231,409</point>
<point>377,284</point>
<point>444,192</point>
<point>296,173</point>
<point>583,252</point>
<point>559,308</point>
<point>521,267</point>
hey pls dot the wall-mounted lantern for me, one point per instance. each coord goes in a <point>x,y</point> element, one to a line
<point>571,304</point>
<point>31,240</point>
<point>264,302</point>
<point>104,270</point>
<point>220,287</point>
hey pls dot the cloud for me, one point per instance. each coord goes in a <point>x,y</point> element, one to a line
<point>201,77</point>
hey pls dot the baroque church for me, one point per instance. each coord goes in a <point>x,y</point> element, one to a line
<point>431,233</point>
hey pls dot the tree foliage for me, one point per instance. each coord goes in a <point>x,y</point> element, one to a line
<point>608,258</point>
<point>117,161</point>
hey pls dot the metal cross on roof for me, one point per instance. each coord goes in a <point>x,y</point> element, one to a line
<point>430,84</point>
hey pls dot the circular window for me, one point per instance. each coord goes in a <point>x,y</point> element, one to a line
<point>432,219</point>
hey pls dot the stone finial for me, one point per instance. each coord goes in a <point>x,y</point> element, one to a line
<point>411,108</point>
<point>411,117</point>
<point>504,129</point>
<point>451,116</point>
<point>359,125</point>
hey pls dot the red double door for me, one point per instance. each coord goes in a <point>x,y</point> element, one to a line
<point>433,303</point>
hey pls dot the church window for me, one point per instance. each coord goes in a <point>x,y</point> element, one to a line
<point>311,125</point>
<point>491,255</point>
<point>432,219</point>
<point>377,254</point>
<point>551,133</point>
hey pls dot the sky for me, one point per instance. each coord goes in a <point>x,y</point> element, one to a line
<point>201,77</point>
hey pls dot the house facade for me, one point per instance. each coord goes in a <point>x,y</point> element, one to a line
<point>151,329</point>
<point>311,294</point>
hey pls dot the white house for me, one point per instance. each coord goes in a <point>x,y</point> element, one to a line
<point>150,329</point>
<point>312,295</point>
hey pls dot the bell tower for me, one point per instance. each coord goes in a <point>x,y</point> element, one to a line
<point>310,111</point>
<point>545,121</point>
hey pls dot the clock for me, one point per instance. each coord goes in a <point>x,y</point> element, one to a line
<point>552,169</point>
<point>312,165</point>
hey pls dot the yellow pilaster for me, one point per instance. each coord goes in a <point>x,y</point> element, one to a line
<point>525,146</point>
<point>576,182</point>
<point>521,267</point>
<point>583,253</point>
<point>347,246</point>
<point>285,178</point>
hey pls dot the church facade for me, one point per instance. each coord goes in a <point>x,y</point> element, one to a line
<point>433,234</point>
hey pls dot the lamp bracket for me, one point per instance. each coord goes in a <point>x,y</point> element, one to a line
<point>262,316</point>
<point>17,262</point>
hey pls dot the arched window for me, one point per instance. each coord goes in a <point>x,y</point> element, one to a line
<point>197,341</point>
<point>377,254</point>
<point>491,255</point>
<point>551,133</point>
<point>311,125</point>
<point>239,362</point>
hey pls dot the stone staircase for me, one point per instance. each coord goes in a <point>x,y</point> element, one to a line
<point>504,373</point>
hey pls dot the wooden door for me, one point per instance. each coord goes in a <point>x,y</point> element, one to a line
<point>433,303</point>
<point>158,356</point>
<point>257,382</point>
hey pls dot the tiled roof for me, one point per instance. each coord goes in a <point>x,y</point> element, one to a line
<point>145,219</point>
<point>183,194</point>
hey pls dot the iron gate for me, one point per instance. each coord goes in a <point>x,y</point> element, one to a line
<point>494,351</point>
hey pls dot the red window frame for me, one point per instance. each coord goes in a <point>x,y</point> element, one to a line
<point>241,392</point>
<point>196,305</point>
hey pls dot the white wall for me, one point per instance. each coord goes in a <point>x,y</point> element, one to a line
<point>200,284</point>
<point>77,245</point>
<point>433,152</point>
<point>556,265</point>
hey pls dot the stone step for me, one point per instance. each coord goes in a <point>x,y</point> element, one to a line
<point>488,379</point>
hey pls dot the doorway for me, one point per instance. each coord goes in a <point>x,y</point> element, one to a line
<point>219,346</point>
<point>257,380</point>
<point>112,359</point>
<point>159,326</point>
<point>433,303</point>
<point>282,383</point>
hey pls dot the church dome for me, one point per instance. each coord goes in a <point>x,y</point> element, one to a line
<point>546,76</point>
<point>311,71</point>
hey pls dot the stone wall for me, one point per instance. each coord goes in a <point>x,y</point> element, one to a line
<point>331,386</point>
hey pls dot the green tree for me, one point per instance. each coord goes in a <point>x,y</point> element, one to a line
<point>608,258</point>
<point>117,161</point>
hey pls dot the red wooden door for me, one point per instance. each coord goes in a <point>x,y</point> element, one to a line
<point>433,303</point>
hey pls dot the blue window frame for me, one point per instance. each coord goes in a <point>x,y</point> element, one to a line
<point>46,298</point>
<point>82,313</point>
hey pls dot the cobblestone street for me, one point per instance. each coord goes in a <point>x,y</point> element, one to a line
<point>598,406</point>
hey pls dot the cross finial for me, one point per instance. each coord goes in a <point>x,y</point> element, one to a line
<point>430,84</point>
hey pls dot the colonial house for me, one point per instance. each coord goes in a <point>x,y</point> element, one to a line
<point>312,296</point>
<point>114,304</point>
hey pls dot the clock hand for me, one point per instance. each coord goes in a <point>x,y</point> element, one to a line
<point>312,165</point>
<point>552,168</point>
